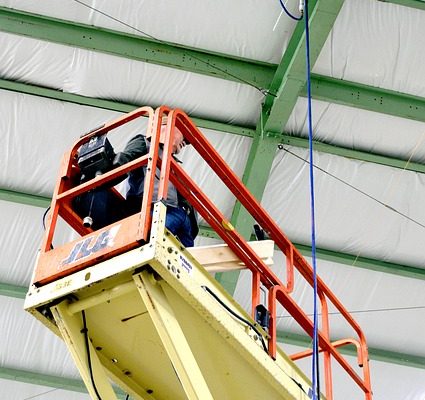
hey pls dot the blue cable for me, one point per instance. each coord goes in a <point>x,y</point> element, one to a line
<point>315,361</point>
<point>288,13</point>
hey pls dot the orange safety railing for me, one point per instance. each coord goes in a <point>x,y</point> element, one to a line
<point>133,231</point>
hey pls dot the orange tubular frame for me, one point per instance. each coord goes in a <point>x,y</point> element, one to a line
<point>133,231</point>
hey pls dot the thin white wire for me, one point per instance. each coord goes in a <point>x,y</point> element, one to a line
<point>392,186</point>
<point>278,18</point>
<point>40,394</point>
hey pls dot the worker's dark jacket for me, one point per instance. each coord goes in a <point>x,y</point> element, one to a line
<point>135,148</point>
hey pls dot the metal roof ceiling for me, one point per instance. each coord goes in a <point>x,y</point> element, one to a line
<point>238,68</point>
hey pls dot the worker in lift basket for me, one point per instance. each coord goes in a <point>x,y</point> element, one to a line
<point>181,217</point>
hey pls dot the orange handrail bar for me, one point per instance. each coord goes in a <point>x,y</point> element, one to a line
<point>268,278</point>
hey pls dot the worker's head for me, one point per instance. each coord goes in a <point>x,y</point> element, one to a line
<point>179,141</point>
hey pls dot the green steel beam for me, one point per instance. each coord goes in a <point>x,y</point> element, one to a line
<point>57,382</point>
<point>367,97</point>
<point>288,81</point>
<point>34,378</point>
<point>387,356</point>
<point>290,76</point>
<point>112,105</point>
<point>419,4</point>
<point>371,264</point>
<point>256,73</point>
<point>24,198</point>
<point>9,290</point>
<point>364,262</point>
<point>48,93</point>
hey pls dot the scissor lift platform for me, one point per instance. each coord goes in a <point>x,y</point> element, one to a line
<point>160,326</point>
<point>133,304</point>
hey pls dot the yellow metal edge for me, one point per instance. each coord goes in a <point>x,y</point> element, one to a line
<point>116,269</point>
<point>186,276</point>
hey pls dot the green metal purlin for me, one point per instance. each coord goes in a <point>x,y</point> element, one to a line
<point>24,198</point>
<point>135,47</point>
<point>364,262</point>
<point>406,271</point>
<point>35,378</point>
<point>113,105</point>
<point>354,154</point>
<point>49,93</point>
<point>367,98</point>
<point>9,290</point>
<point>393,357</point>
<point>419,4</point>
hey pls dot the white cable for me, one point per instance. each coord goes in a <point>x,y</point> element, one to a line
<point>301,6</point>
<point>278,19</point>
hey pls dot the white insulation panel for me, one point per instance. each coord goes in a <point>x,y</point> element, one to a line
<point>363,209</point>
<point>29,345</point>
<point>376,43</point>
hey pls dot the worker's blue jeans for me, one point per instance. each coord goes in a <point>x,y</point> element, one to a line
<point>105,209</point>
<point>178,223</point>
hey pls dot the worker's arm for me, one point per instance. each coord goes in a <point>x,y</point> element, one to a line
<point>135,148</point>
